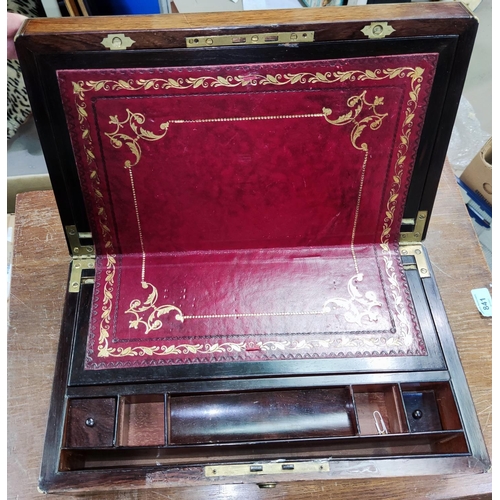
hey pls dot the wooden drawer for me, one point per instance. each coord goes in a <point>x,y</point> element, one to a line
<point>90,422</point>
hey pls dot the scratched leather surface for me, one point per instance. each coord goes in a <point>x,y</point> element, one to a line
<point>232,206</point>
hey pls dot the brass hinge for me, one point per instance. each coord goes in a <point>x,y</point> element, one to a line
<point>258,469</point>
<point>79,247</point>
<point>421,264</point>
<point>414,236</point>
<point>250,39</point>
<point>83,257</point>
<point>78,265</point>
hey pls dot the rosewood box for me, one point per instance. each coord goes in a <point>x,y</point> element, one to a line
<point>245,198</point>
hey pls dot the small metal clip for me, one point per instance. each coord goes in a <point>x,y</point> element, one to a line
<point>379,423</point>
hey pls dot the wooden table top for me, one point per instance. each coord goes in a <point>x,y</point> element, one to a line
<point>39,280</point>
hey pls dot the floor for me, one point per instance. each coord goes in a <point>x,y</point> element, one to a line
<point>473,125</point>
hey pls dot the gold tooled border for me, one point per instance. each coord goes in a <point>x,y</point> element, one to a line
<point>80,89</point>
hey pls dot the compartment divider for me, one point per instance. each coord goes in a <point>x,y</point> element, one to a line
<point>405,415</point>
<point>358,428</point>
<point>166,418</point>
<point>117,420</point>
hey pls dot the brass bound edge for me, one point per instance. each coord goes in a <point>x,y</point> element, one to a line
<point>82,257</point>
<point>250,39</point>
<point>258,469</point>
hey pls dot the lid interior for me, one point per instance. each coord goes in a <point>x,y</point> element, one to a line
<point>215,158</point>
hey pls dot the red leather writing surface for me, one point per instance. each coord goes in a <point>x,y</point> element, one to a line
<point>248,212</point>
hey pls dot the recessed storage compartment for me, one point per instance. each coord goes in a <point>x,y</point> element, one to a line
<point>141,420</point>
<point>90,422</point>
<point>422,410</point>
<point>430,407</point>
<point>379,409</point>
<point>364,420</point>
<point>259,416</point>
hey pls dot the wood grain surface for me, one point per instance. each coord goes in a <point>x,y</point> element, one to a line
<point>245,18</point>
<point>39,279</point>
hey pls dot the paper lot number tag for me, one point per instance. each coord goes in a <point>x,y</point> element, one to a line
<point>482,298</point>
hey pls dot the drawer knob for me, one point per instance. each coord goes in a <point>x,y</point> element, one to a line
<point>90,422</point>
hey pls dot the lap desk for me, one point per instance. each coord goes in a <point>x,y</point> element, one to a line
<point>245,206</point>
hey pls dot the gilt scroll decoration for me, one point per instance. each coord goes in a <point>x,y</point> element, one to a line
<point>119,139</point>
<point>148,313</point>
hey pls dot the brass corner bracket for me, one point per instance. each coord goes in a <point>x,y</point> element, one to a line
<point>418,253</point>
<point>414,236</point>
<point>77,267</point>
<point>78,247</point>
